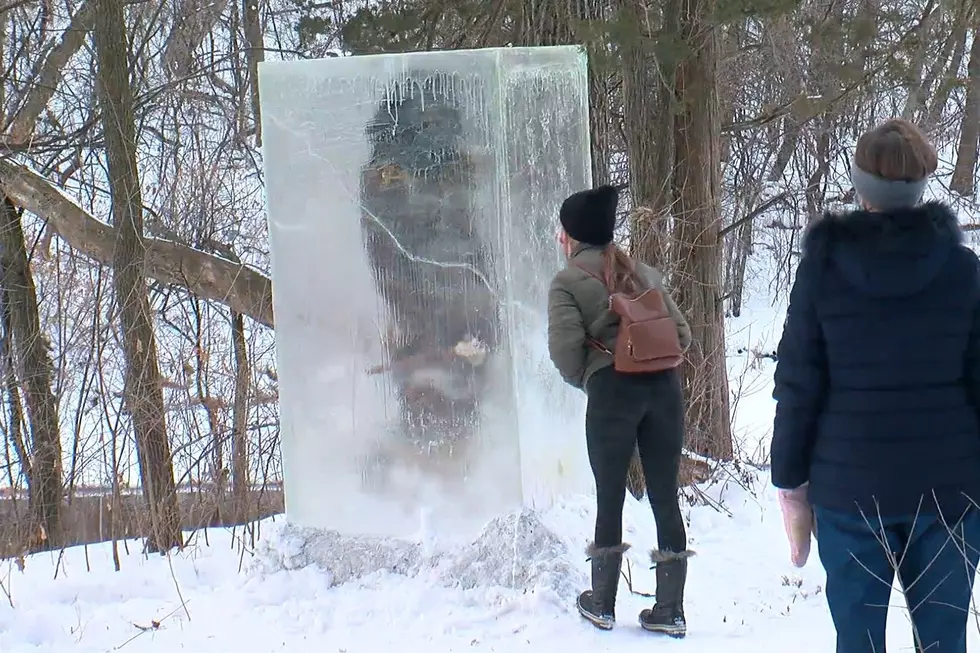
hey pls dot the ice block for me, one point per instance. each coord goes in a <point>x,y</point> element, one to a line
<point>412,208</point>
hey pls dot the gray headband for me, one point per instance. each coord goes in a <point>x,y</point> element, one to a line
<point>886,194</point>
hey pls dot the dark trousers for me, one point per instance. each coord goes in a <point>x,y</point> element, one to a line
<point>936,561</point>
<point>627,411</point>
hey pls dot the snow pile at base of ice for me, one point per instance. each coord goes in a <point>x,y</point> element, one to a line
<point>343,557</point>
<point>513,551</point>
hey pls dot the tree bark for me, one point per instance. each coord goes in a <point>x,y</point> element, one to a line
<point>33,369</point>
<point>144,391</point>
<point>648,117</point>
<point>193,21</point>
<point>15,409</point>
<point>698,249</point>
<point>915,100</point>
<point>949,66</point>
<point>255,55</point>
<point>239,420</point>
<point>963,180</point>
<point>237,286</point>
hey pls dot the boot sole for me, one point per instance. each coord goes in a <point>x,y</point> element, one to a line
<point>602,623</point>
<point>677,632</point>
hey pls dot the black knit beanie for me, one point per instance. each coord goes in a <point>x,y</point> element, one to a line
<point>589,216</point>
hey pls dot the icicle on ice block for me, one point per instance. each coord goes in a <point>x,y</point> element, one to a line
<point>412,206</point>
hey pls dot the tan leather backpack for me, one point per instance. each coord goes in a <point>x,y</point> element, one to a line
<point>647,340</point>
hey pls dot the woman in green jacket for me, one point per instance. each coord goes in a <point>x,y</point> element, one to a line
<point>625,411</point>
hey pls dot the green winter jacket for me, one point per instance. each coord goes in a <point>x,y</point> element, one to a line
<point>578,304</point>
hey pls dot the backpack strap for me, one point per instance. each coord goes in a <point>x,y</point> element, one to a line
<point>592,340</point>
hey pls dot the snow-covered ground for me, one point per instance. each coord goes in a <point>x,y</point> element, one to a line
<point>743,595</point>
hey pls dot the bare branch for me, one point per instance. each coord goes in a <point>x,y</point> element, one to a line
<point>49,78</point>
<point>241,288</point>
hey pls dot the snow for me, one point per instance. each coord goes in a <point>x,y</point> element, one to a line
<point>742,592</point>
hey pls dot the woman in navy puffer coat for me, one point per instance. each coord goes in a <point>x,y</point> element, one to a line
<point>878,397</point>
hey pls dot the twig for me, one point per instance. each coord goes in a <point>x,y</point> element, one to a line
<point>154,625</point>
<point>6,593</point>
<point>183,603</point>
<point>628,575</point>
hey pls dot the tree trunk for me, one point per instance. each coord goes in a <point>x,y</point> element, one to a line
<point>143,391</point>
<point>697,246</point>
<point>193,21</point>
<point>256,55</point>
<point>649,147</point>
<point>950,67</point>
<point>592,12</point>
<point>239,420</point>
<point>15,409</point>
<point>33,368</point>
<point>964,173</point>
<point>915,100</point>
<point>211,405</point>
<point>648,120</point>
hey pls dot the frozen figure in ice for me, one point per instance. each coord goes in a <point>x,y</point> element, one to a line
<point>430,263</point>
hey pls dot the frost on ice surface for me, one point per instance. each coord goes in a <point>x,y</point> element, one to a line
<point>514,551</point>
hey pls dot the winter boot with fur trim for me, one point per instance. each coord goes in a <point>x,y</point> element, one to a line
<point>667,615</point>
<point>598,605</point>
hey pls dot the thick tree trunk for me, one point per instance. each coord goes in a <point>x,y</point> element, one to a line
<point>697,246</point>
<point>144,391</point>
<point>648,120</point>
<point>649,146</point>
<point>591,12</point>
<point>33,369</point>
<point>964,172</point>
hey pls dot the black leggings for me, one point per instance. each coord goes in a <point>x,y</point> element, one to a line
<point>644,410</point>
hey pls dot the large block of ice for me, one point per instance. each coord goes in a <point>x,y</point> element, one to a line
<point>412,206</point>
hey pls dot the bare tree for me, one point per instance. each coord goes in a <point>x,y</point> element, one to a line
<point>33,368</point>
<point>239,421</point>
<point>144,392</point>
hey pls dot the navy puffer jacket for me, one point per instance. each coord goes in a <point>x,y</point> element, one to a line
<point>878,376</point>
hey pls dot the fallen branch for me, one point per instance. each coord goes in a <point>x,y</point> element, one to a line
<point>241,288</point>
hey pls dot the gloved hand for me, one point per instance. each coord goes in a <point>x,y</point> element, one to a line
<point>798,521</point>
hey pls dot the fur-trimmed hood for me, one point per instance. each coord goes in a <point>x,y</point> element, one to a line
<point>890,254</point>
